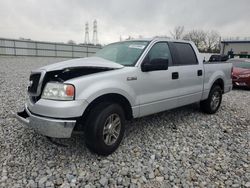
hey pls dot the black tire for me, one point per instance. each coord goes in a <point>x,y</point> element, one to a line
<point>208,106</point>
<point>98,121</point>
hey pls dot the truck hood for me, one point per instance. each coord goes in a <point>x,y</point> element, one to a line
<point>74,68</point>
<point>89,62</point>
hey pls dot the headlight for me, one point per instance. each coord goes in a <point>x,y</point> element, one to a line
<point>244,75</point>
<point>59,91</point>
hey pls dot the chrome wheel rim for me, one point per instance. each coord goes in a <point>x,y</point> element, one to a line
<point>215,100</point>
<point>112,129</point>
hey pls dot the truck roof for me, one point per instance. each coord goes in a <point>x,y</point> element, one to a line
<point>159,39</point>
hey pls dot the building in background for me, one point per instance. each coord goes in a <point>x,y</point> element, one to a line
<point>234,48</point>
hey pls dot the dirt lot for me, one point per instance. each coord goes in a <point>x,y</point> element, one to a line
<point>181,147</point>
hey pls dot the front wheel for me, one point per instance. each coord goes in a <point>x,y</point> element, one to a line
<point>212,103</point>
<point>105,128</point>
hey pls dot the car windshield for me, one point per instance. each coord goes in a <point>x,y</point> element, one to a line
<point>244,65</point>
<point>125,53</point>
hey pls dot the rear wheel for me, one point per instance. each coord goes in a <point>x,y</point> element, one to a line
<point>212,103</point>
<point>105,128</point>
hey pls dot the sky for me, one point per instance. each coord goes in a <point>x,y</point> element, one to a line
<point>64,20</point>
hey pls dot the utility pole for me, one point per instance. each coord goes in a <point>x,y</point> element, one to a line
<point>95,38</point>
<point>86,33</point>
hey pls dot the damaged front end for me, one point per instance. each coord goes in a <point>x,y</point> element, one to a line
<point>54,118</point>
<point>66,70</point>
<point>52,109</point>
<point>39,79</point>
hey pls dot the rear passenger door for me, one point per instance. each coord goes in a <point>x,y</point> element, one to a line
<point>189,72</point>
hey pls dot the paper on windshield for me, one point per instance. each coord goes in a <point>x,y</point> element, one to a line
<point>138,46</point>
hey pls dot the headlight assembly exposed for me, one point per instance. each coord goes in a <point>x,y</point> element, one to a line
<point>59,91</point>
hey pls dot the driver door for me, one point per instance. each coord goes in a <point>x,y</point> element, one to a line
<point>157,89</point>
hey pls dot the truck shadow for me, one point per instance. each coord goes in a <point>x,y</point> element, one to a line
<point>34,143</point>
<point>167,119</point>
<point>238,88</point>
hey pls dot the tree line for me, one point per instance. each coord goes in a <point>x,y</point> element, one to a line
<point>206,41</point>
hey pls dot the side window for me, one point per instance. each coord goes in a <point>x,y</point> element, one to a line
<point>186,54</point>
<point>159,51</point>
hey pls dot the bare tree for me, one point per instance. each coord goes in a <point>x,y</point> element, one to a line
<point>198,37</point>
<point>212,41</point>
<point>129,38</point>
<point>71,42</point>
<point>178,32</point>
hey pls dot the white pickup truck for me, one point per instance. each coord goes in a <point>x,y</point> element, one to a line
<point>124,80</point>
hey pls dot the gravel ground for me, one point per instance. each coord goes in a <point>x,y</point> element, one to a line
<point>181,147</point>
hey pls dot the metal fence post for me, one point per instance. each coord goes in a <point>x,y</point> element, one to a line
<point>14,47</point>
<point>36,49</point>
<point>55,50</point>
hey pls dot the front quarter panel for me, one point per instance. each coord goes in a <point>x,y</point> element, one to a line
<point>100,88</point>
<point>93,86</point>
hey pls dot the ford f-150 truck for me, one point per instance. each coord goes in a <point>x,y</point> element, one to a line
<point>124,80</point>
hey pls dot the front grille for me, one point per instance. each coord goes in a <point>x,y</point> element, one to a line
<point>34,82</point>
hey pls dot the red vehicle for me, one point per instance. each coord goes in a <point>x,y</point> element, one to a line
<point>241,73</point>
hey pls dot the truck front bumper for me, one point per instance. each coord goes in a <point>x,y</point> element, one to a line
<point>56,128</point>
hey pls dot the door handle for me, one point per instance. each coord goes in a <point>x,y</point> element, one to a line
<point>175,75</point>
<point>199,73</point>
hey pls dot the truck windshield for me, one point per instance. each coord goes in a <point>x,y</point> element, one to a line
<point>125,53</point>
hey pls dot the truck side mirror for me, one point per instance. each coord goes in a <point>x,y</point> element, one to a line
<point>154,65</point>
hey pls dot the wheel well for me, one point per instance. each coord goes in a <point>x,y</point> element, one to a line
<point>113,98</point>
<point>220,83</point>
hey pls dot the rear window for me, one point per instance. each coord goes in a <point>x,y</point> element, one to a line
<point>186,54</point>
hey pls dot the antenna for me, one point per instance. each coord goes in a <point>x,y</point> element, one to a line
<point>86,33</point>
<point>95,39</point>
